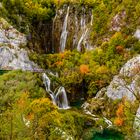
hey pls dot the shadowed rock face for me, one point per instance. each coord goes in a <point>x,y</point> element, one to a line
<point>11,55</point>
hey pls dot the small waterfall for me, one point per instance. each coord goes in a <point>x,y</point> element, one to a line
<point>59,98</point>
<point>84,34</point>
<point>85,28</point>
<point>64,33</point>
<point>46,82</point>
<point>91,23</point>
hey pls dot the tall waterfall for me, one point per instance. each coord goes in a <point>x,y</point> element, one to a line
<point>72,28</point>
<point>59,98</point>
<point>64,33</point>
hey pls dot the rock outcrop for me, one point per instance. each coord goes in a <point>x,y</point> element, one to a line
<point>12,56</point>
<point>126,84</point>
<point>137,124</point>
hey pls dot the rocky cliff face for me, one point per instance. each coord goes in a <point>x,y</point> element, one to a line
<point>12,56</point>
<point>126,84</point>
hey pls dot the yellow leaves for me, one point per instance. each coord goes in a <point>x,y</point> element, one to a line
<point>102,70</point>
<point>84,69</point>
<point>116,35</point>
<point>23,101</point>
<point>42,105</point>
<point>45,112</point>
<point>100,51</point>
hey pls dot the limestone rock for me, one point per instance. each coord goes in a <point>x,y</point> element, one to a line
<point>126,83</point>
<point>11,55</point>
<point>137,124</point>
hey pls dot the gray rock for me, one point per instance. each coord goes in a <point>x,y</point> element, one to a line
<point>126,83</point>
<point>11,55</point>
<point>137,34</point>
<point>137,124</point>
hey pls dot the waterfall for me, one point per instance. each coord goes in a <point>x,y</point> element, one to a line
<point>84,34</point>
<point>72,28</point>
<point>59,98</point>
<point>61,95</point>
<point>64,33</point>
<point>46,82</point>
<point>91,22</point>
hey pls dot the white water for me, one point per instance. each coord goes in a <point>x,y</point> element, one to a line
<point>108,122</point>
<point>85,28</point>
<point>59,98</point>
<point>91,23</point>
<point>84,34</point>
<point>64,33</point>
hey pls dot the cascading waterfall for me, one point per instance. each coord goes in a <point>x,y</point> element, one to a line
<point>84,34</point>
<point>59,98</point>
<point>64,33</point>
<point>71,28</point>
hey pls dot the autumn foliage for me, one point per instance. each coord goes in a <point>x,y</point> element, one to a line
<point>120,110</point>
<point>119,121</point>
<point>84,69</point>
<point>120,49</point>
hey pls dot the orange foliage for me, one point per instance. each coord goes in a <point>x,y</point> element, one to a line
<point>100,83</point>
<point>119,49</point>
<point>30,117</point>
<point>119,121</point>
<point>84,69</point>
<point>120,110</point>
<point>62,55</point>
<point>102,70</point>
<point>59,63</point>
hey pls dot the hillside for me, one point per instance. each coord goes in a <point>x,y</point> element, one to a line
<point>69,69</point>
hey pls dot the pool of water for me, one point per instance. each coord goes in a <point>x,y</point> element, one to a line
<point>97,134</point>
<point>108,135</point>
<point>77,104</point>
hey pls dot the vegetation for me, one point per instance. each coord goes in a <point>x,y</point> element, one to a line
<point>94,69</point>
<point>26,111</point>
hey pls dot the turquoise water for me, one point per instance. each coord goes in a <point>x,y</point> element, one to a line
<point>77,104</point>
<point>108,135</point>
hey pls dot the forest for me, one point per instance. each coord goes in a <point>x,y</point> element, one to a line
<point>69,69</point>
